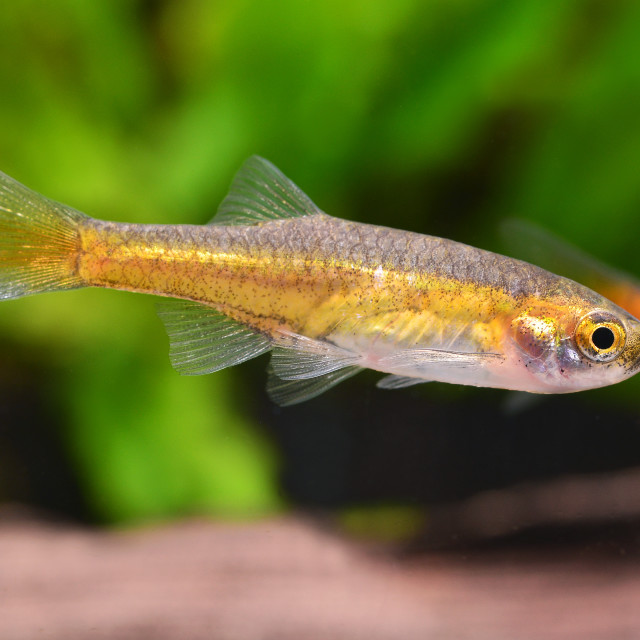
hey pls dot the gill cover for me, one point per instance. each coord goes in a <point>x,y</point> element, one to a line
<point>536,336</point>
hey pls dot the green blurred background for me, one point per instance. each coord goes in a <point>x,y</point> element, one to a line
<point>443,117</point>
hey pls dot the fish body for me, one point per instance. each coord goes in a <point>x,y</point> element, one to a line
<point>327,296</point>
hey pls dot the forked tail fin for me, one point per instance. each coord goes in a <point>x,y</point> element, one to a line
<point>39,242</point>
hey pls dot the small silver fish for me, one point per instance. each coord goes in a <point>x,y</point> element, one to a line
<point>327,297</point>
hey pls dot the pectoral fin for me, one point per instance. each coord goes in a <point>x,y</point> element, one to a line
<point>430,364</point>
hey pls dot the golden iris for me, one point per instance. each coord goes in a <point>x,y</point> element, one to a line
<point>600,336</point>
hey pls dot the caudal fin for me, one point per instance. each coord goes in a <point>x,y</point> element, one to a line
<point>39,242</point>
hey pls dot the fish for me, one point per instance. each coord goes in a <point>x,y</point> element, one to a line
<point>327,297</point>
<point>536,244</point>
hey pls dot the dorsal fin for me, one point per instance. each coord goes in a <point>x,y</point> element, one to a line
<point>260,192</point>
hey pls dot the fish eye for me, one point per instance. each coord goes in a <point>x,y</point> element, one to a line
<point>600,336</point>
<point>603,338</point>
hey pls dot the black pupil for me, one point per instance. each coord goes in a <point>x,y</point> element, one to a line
<point>602,338</point>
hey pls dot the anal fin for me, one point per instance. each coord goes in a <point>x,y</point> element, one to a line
<point>204,340</point>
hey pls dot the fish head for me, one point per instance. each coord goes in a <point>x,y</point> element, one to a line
<point>576,346</point>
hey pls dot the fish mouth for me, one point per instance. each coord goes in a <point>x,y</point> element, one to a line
<point>632,359</point>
